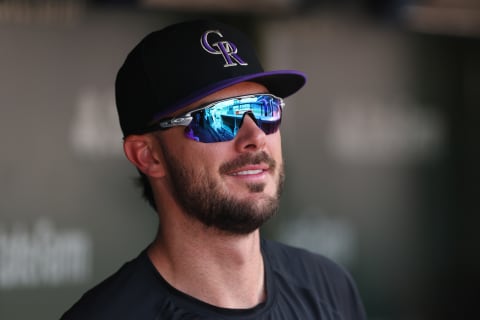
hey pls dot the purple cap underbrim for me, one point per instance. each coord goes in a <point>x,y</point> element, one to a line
<point>281,83</point>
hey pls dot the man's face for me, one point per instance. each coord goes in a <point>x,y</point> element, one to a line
<point>233,186</point>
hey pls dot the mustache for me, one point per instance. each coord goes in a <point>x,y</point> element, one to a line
<point>247,159</point>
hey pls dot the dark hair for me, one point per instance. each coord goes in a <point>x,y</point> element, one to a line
<point>147,191</point>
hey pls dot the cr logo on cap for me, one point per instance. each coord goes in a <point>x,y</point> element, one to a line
<point>227,49</point>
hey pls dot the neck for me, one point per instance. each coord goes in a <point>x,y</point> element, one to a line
<point>218,268</point>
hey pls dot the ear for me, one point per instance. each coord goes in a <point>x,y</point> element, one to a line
<point>143,153</point>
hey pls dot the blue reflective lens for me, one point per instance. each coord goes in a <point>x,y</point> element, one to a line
<point>221,120</point>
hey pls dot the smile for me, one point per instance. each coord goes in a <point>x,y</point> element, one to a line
<point>247,172</point>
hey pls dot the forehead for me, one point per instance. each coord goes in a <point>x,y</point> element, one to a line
<point>238,89</point>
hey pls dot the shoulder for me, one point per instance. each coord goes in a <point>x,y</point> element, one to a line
<point>322,279</point>
<point>114,297</point>
<point>285,259</point>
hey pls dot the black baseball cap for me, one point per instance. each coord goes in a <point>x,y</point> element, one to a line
<point>182,63</point>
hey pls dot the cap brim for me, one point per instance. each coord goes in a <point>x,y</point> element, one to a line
<point>281,83</point>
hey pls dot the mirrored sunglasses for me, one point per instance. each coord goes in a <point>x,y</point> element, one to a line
<point>220,120</point>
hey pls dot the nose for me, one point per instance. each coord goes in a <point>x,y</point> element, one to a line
<point>249,137</point>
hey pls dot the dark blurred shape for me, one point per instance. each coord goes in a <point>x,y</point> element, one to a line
<point>449,76</point>
<point>384,9</point>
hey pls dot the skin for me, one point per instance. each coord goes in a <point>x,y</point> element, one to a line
<point>220,267</point>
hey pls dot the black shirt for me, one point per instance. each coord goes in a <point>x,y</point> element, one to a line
<point>299,285</point>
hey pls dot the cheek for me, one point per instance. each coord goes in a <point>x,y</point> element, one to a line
<point>202,157</point>
<point>196,160</point>
<point>275,145</point>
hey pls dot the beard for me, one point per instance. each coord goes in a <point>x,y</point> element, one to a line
<point>203,198</point>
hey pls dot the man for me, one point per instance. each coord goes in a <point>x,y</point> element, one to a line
<point>201,123</point>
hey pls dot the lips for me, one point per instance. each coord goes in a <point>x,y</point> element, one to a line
<point>249,164</point>
<point>250,170</point>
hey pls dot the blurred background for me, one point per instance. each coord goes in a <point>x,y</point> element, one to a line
<point>381,146</point>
